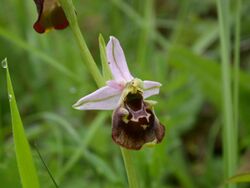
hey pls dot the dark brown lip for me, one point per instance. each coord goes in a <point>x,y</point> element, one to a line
<point>138,127</point>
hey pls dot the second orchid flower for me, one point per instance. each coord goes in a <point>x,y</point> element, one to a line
<point>50,15</point>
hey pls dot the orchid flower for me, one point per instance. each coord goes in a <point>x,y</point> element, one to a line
<point>50,15</point>
<point>134,122</point>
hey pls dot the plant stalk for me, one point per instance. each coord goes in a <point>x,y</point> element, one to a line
<point>130,170</point>
<point>89,61</point>
<point>69,10</point>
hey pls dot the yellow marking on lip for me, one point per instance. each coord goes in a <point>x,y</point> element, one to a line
<point>144,126</point>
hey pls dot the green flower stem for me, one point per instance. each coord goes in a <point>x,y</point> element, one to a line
<point>70,13</point>
<point>229,133</point>
<point>69,10</point>
<point>132,179</point>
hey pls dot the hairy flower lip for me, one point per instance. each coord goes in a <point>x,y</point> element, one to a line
<point>133,133</point>
<point>50,16</point>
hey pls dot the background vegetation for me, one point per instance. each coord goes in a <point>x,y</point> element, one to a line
<point>174,42</point>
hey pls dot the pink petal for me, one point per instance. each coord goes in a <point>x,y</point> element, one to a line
<point>117,85</point>
<point>105,98</point>
<point>117,61</point>
<point>151,88</point>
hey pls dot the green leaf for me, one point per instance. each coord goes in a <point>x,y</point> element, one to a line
<point>243,177</point>
<point>24,158</point>
<point>105,68</point>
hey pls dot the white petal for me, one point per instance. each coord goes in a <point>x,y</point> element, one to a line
<point>117,61</point>
<point>151,88</point>
<point>105,98</point>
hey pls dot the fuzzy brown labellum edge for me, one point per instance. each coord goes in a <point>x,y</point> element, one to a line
<point>135,124</point>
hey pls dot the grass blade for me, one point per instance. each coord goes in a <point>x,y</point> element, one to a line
<point>236,69</point>
<point>46,167</point>
<point>243,177</point>
<point>229,134</point>
<point>25,163</point>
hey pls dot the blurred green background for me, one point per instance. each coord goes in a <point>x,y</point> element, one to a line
<point>172,42</point>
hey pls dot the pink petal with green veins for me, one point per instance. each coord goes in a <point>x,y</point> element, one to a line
<point>151,88</point>
<point>105,98</point>
<point>117,61</point>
